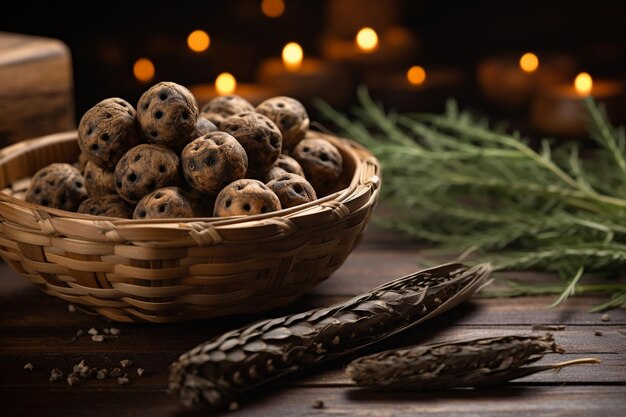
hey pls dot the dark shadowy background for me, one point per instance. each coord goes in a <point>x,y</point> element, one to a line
<point>105,38</point>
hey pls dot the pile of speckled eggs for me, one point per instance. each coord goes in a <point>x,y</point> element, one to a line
<point>166,159</point>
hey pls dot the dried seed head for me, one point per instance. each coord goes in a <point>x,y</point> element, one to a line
<point>29,366</point>
<point>102,374</point>
<point>123,379</point>
<point>93,331</point>
<point>114,331</point>
<point>97,338</point>
<point>116,372</point>
<point>80,332</point>
<point>218,372</point>
<point>126,363</point>
<point>140,371</point>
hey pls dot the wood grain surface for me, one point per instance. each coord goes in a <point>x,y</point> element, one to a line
<point>39,329</point>
<point>36,87</point>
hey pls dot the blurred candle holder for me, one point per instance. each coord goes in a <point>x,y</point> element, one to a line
<point>560,110</point>
<point>368,49</point>
<point>305,78</point>
<point>417,89</point>
<point>226,84</point>
<point>511,80</point>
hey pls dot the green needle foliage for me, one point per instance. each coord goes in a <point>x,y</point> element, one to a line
<point>460,183</point>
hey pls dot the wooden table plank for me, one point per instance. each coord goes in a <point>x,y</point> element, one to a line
<point>37,328</point>
<point>282,401</point>
<point>520,311</point>
<point>610,348</point>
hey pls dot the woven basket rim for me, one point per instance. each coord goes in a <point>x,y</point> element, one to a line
<point>355,151</point>
<point>179,269</point>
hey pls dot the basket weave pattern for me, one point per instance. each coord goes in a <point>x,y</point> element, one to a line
<point>173,270</point>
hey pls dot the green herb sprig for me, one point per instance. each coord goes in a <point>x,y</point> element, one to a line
<point>463,184</point>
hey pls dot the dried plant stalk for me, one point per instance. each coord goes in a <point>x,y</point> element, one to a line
<point>218,371</point>
<point>471,363</point>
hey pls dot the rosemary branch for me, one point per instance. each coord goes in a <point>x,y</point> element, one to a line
<point>463,185</point>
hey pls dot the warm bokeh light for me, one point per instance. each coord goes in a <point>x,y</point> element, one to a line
<point>292,56</point>
<point>367,40</point>
<point>198,41</point>
<point>416,75</point>
<point>225,84</point>
<point>273,8</point>
<point>529,62</point>
<point>583,84</point>
<point>143,69</point>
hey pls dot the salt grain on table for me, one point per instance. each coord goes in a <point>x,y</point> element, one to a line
<point>73,380</point>
<point>56,375</point>
<point>79,367</point>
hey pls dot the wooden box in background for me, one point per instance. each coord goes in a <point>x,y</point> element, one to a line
<point>36,88</point>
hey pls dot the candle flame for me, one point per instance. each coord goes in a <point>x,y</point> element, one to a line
<point>273,8</point>
<point>225,84</point>
<point>292,56</point>
<point>583,84</point>
<point>529,62</point>
<point>198,41</point>
<point>416,75</point>
<point>367,40</point>
<point>143,70</point>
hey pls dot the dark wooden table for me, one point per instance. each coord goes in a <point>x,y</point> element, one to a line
<point>37,328</point>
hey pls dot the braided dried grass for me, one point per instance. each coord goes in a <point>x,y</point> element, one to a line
<point>221,370</point>
<point>470,363</point>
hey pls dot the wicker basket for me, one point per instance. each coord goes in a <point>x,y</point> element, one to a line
<point>173,270</point>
